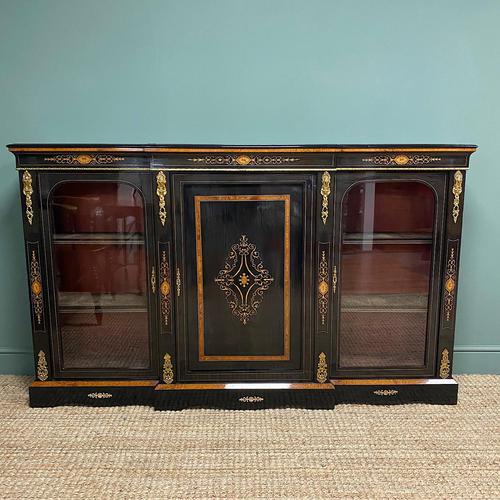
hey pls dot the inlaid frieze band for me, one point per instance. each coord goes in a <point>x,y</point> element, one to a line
<point>84,159</point>
<point>243,160</point>
<point>401,160</point>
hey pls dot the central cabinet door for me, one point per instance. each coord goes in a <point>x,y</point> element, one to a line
<point>243,250</point>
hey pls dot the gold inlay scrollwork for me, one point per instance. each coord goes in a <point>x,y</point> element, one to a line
<point>161,191</point>
<point>444,367</point>
<point>36,288</point>
<point>42,371</point>
<point>457,191</point>
<point>244,279</point>
<point>84,159</point>
<point>323,288</point>
<point>322,369</point>
<point>243,159</point>
<point>165,287</point>
<point>450,285</point>
<point>325,193</point>
<point>168,369</point>
<point>334,279</point>
<point>401,159</point>
<point>28,191</point>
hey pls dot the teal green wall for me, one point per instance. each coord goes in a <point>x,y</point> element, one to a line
<point>259,71</point>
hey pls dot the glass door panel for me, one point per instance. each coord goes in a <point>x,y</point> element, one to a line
<point>99,254</point>
<point>386,263</point>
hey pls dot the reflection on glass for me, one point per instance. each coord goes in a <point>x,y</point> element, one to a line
<point>100,269</point>
<point>385,273</point>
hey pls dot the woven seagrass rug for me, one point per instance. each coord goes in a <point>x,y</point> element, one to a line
<point>352,452</point>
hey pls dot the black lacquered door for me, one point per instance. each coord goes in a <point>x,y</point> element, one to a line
<point>388,256</point>
<point>243,267</point>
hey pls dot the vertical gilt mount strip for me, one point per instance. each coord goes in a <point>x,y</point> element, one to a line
<point>444,367</point>
<point>168,369</point>
<point>42,370</point>
<point>457,191</point>
<point>28,192</point>
<point>322,369</point>
<point>325,193</point>
<point>161,191</point>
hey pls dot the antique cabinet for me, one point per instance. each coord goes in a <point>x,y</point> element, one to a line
<point>242,277</point>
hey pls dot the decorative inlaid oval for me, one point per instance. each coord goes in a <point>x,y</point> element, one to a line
<point>165,288</point>
<point>84,159</point>
<point>323,288</point>
<point>450,285</point>
<point>401,159</point>
<point>243,160</point>
<point>36,287</point>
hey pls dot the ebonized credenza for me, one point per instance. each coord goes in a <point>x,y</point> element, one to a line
<point>242,277</point>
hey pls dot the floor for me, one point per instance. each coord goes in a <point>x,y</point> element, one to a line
<point>352,452</point>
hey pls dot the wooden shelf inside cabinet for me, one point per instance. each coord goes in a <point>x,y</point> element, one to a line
<point>387,238</point>
<point>84,302</point>
<point>384,302</point>
<point>98,238</point>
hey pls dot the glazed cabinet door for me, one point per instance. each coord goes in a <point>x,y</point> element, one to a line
<point>388,259</point>
<point>243,261</point>
<point>98,238</point>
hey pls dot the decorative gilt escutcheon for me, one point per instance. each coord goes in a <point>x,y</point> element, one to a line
<point>444,367</point>
<point>244,279</point>
<point>325,193</point>
<point>100,395</point>
<point>165,305</point>
<point>322,369</point>
<point>457,191</point>
<point>42,371</point>
<point>168,369</point>
<point>153,279</point>
<point>161,191</point>
<point>385,392</point>
<point>334,280</point>
<point>36,288</point>
<point>323,288</point>
<point>28,191</point>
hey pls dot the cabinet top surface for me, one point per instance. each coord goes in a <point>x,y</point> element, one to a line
<point>219,148</point>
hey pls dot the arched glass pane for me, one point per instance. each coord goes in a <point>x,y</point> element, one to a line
<point>98,248</point>
<point>387,241</point>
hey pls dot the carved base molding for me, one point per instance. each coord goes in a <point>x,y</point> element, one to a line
<point>243,396</point>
